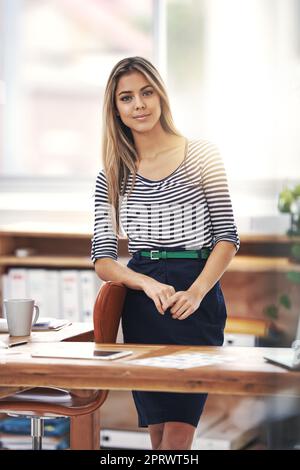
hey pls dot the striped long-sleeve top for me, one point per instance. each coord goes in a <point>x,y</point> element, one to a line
<point>190,208</point>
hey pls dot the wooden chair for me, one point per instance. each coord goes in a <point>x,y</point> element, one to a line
<point>41,403</point>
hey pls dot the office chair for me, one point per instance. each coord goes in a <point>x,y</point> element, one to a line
<point>41,403</point>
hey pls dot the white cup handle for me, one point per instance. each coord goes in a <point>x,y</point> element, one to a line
<point>37,312</point>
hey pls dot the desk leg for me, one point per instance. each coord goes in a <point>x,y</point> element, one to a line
<point>85,432</point>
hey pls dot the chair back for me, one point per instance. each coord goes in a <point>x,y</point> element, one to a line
<point>107,311</point>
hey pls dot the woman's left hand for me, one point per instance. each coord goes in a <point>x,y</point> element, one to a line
<point>183,303</point>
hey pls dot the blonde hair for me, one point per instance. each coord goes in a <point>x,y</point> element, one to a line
<point>118,152</point>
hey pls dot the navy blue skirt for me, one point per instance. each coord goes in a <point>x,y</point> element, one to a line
<point>143,324</point>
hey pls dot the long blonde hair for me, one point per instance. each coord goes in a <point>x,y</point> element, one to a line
<point>118,151</point>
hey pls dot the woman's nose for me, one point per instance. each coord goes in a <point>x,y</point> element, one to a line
<point>139,103</point>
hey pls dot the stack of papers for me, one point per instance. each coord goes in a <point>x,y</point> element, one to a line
<point>43,324</point>
<point>182,361</point>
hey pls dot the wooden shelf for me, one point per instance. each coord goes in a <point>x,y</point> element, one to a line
<point>268,238</point>
<point>238,264</point>
<point>47,261</point>
<point>262,264</point>
<point>34,229</point>
<point>44,230</point>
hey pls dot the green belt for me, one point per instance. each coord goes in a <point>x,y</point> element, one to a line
<point>192,254</point>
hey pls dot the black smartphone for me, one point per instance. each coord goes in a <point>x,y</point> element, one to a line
<point>111,354</point>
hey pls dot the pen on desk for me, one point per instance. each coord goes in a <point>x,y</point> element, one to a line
<point>12,345</point>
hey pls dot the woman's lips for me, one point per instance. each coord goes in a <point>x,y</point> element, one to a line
<point>142,117</point>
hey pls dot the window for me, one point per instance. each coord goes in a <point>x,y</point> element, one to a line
<point>56,59</point>
<point>234,73</point>
<point>232,70</point>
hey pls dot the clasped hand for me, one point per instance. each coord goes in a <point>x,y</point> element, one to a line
<point>182,303</point>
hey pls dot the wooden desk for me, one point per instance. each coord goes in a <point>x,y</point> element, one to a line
<point>247,374</point>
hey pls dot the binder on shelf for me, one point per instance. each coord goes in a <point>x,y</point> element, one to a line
<point>36,283</point>
<point>17,283</point>
<point>66,293</point>
<point>97,284</point>
<point>5,286</point>
<point>87,294</point>
<point>52,294</point>
<point>70,294</point>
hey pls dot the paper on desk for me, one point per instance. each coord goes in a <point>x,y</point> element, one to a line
<point>183,361</point>
<point>43,324</point>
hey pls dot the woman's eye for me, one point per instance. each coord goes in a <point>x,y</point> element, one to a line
<point>128,98</point>
<point>125,98</point>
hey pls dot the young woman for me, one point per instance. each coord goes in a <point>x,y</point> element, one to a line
<point>170,196</point>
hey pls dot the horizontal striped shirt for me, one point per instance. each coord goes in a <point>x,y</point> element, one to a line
<point>190,209</point>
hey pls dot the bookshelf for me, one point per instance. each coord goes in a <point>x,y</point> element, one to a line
<point>259,267</point>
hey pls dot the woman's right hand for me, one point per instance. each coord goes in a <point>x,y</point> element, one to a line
<point>158,292</point>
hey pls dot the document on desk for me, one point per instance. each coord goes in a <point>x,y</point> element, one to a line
<point>183,361</point>
<point>43,324</point>
<point>50,324</point>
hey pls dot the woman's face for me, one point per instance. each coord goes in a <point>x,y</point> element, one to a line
<point>137,102</point>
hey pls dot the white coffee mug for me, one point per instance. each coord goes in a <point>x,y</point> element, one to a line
<point>19,315</point>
